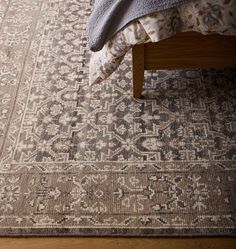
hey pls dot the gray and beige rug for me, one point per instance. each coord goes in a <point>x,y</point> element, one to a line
<point>80,160</point>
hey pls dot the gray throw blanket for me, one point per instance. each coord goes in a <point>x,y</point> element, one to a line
<point>110,16</point>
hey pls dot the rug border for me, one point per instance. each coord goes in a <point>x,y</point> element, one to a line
<point>111,232</point>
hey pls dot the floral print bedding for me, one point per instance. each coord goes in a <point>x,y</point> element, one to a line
<point>204,16</point>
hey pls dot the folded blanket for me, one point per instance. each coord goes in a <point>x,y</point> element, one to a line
<point>110,16</point>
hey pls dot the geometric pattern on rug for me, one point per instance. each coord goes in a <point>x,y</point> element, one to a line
<point>92,160</point>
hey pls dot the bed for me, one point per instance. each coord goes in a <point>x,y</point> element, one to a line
<point>184,50</point>
<point>196,34</point>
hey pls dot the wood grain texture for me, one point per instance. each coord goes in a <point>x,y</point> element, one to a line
<point>191,50</point>
<point>138,70</point>
<point>117,243</point>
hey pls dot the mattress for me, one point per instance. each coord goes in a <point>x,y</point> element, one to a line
<point>203,16</point>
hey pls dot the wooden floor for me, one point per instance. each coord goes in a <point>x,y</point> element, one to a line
<point>117,243</point>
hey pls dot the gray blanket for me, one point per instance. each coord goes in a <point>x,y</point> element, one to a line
<point>110,16</point>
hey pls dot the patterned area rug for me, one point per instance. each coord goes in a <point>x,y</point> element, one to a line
<point>80,160</point>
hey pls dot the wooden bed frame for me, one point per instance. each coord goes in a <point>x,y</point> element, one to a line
<point>184,50</point>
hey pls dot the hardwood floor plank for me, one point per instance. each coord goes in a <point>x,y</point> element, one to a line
<point>117,243</point>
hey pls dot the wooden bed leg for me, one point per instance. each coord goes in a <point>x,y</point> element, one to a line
<point>138,70</point>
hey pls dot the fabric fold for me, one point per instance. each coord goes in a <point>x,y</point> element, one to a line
<point>109,17</point>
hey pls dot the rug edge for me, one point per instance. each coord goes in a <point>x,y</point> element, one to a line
<point>110,232</point>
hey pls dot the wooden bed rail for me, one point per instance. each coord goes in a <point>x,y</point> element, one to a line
<point>184,50</point>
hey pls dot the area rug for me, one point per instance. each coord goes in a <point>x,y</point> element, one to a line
<point>92,160</point>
